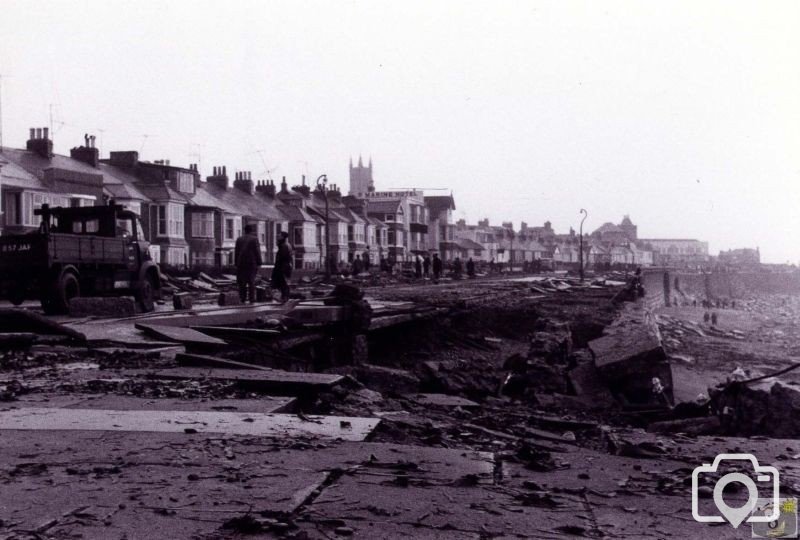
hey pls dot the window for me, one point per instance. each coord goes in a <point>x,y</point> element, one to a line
<point>392,237</point>
<point>298,236</point>
<point>202,258</point>
<point>203,225</point>
<point>170,221</point>
<point>350,236</point>
<point>162,220</point>
<point>185,182</point>
<point>229,230</point>
<point>389,217</point>
<point>12,207</point>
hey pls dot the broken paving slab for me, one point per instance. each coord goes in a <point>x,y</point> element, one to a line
<point>185,336</point>
<point>441,400</point>
<point>229,423</point>
<point>281,382</point>
<point>23,320</point>
<point>264,404</point>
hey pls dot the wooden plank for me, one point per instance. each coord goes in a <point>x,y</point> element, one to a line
<point>233,332</point>
<point>201,360</point>
<point>186,336</point>
<point>23,320</point>
<point>230,423</point>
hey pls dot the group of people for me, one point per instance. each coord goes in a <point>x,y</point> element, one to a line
<point>247,258</point>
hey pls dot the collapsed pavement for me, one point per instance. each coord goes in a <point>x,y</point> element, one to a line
<point>467,410</point>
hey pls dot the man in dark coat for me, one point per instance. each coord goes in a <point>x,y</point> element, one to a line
<point>437,266</point>
<point>247,258</point>
<point>426,266</point>
<point>366,260</point>
<point>357,265</point>
<point>457,268</point>
<point>471,268</point>
<point>283,267</point>
<point>418,267</point>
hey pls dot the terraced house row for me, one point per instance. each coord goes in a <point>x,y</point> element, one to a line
<point>194,221</point>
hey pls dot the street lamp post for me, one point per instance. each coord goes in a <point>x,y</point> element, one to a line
<point>322,183</point>
<point>580,253</point>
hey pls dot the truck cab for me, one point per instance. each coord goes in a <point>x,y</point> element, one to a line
<point>87,251</point>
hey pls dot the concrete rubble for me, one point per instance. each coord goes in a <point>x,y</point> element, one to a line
<point>486,408</point>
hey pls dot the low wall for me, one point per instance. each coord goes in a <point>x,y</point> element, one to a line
<point>664,287</point>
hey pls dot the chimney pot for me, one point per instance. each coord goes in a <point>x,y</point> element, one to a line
<point>225,170</point>
<point>33,134</point>
<point>46,133</point>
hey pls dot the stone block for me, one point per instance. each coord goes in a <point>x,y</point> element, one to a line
<point>230,298</point>
<point>768,407</point>
<point>182,301</point>
<point>387,380</point>
<point>102,306</point>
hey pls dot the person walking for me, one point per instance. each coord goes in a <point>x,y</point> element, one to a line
<point>426,266</point>
<point>471,268</point>
<point>358,266</point>
<point>247,258</point>
<point>366,260</point>
<point>457,268</point>
<point>418,267</point>
<point>437,266</point>
<point>283,267</point>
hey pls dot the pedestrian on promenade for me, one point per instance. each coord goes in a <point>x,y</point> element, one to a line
<point>283,267</point>
<point>247,258</point>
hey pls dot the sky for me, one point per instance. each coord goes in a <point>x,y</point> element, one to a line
<point>684,115</point>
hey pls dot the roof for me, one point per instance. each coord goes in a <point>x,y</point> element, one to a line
<point>161,192</point>
<point>35,164</point>
<point>236,201</point>
<point>120,184</point>
<point>608,227</point>
<point>466,243</point>
<point>437,203</point>
<point>15,176</point>
<point>293,213</point>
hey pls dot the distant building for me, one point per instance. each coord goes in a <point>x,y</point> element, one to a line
<point>743,257</point>
<point>678,251</point>
<point>361,181</point>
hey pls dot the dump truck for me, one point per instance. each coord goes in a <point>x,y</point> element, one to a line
<point>83,251</point>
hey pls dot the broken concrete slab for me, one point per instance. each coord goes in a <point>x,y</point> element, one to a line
<point>264,404</point>
<point>281,382</point>
<point>230,298</point>
<point>441,400</point>
<point>201,360</point>
<point>182,300</point>
<point>225,316</point>
<point>767,407</point>
<point>102,306</point>
<point>387,380</point>
<point>630,356</point>
<point>231,423</point>
<point>23,320</point>
<point>185,336</point>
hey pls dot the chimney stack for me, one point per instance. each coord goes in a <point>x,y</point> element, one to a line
<point>244,183</point>
<point>267,187</point>
<point>219,178</point>
<point>42,145</point>
<point>87,153</point>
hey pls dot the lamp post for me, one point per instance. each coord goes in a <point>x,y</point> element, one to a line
<point>580,253</point>
<point>322,184</point>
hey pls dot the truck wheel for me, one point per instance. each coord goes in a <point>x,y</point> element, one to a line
<point>66,288</point>
<point>17,294</point>
<point>146,294</point>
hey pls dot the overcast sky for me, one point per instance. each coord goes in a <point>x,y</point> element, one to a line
<point>684,115</point>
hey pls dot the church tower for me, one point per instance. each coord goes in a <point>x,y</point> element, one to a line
<point>361,178</point>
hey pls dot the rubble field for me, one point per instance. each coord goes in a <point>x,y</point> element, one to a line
<point>499,407</point>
